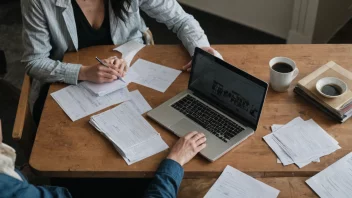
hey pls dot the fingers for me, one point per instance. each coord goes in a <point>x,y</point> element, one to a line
<point>103,69</point>
<point>106,80</point>
<point>107,75</point>
<point>201,141</point>
<point>197,136</point>
<point>190,135</point>
<point>201,147</point>
<point>123,65</point>
<point>187,66</point>
<point>210,50</point>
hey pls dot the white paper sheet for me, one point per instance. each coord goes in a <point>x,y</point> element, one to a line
<point>134,138</point>
<point>151,147</point>
<point>274,128</point>
<point>77,102</point>
<point>281,154</point>
<point>155,76</point>
<point>304,142</point>
<point>335,180</point>
<point>232,183</point>
<point>138,102</point>
<point>129,50</point>
<point>107,88</point>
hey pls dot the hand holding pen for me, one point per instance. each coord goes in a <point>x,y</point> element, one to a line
<point>107,70</point>
<point>114,60</point>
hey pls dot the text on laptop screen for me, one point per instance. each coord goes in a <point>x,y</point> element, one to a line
<point>230,90</point>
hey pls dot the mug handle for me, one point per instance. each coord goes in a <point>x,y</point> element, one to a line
<point>295,73</point>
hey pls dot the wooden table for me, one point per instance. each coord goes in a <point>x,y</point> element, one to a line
<point>290,187</point>
<point>64,148</point>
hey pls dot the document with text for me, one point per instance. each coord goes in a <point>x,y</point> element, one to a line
<point>153,75</point>
<point>77,102</point>
<point>134,138</point>
<point>138,101</point>
<point>335,180</point>
<point>232,183</point>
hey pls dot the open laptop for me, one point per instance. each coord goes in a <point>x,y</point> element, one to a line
<point>222,101</point>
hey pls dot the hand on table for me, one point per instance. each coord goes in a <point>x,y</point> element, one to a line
<point>101,74</point>
<point>187,147</point>
<point>207,49</point>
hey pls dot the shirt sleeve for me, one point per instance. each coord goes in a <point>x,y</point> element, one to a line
<point>175,18</point>
<point>37,47</point>
<point>167,180</point>
<point>12,187</point>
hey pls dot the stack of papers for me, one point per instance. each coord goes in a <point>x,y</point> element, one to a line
<point>133,137</point>
<point>301,142</point>
<point>233,183</point>
<point>77,102</point>
<point>334,181</point>
<point>155,76</point>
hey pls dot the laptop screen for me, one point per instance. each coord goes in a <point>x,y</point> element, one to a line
<point>235,92</point>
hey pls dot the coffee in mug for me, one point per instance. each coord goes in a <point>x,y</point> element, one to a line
<point>282,67</point>
<point>282,71</point>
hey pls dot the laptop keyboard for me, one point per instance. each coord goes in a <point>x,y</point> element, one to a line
<point>214,122</point>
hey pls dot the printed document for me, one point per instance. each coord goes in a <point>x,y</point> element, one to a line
<point>153,75</point>
<point>232,183</point>
<point>138,102</point>
<point>335,180</point>
<point>77,102</point>
<point>134,138</point>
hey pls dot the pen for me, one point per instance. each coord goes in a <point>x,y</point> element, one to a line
<point>101,62</point>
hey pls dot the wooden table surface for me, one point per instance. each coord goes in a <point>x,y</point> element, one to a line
<point>290,187</point>
<point>64,148</point>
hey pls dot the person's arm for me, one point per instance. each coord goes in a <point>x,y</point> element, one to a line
<point>169,175</point>
<point>176,19</point>
<point>11,187</point>
<point>37,47</point>
<point>167,180</point>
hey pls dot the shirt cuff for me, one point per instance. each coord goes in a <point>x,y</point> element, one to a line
<point>71,73</point>
<point>200,43</point>
<point>171,168</point>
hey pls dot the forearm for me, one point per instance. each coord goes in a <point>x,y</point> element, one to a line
<point>167,180</point>
<point>48,70</point>
<point>175,18</point>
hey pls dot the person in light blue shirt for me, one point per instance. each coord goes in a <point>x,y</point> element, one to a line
<point>53,27</point>
<point>165,183</point>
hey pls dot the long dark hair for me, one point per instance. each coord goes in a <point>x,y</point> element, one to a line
<point>120,8</point>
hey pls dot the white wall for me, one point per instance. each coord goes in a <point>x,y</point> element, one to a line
<point>271,16</point>
<point>298,21</point>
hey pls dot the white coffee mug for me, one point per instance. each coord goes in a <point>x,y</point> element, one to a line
<point>281,81</point>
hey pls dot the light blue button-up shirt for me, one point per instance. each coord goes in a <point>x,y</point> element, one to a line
<point>49,31</point>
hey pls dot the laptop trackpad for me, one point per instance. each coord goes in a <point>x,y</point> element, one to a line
<point>184,126</point>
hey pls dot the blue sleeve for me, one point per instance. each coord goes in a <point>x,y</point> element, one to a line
<point>11,187</point>
<point>167,180</point>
